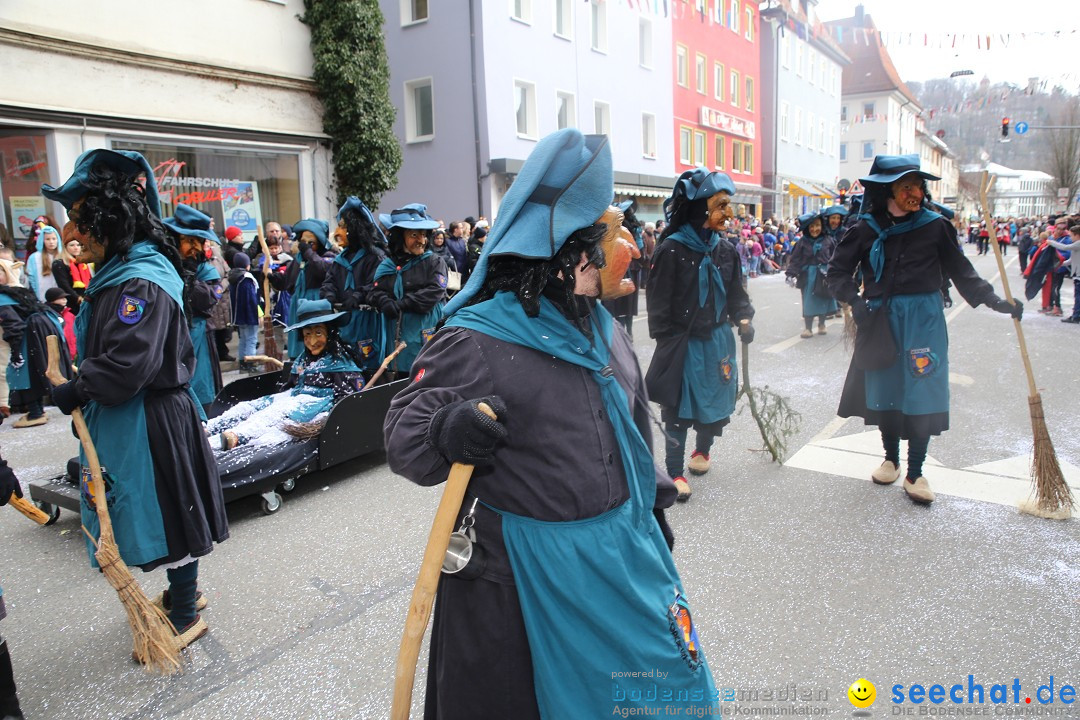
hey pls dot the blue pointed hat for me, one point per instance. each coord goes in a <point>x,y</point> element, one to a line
<point>834,210</point>
<point>889,168</point>
<point>314,312</point>
<point>319,228</point>
<point>126,161</point>
<point>357,205</point>
<point>565,184</point>
<point>186,220</point>
<point>805,220</point>
<point>409,217</point>
<point>698,184</point>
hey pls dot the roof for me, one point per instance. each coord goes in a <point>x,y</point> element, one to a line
<point>819,35</point>
<point>871,68</point>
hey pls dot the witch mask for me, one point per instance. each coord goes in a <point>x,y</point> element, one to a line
<point>619,249</point>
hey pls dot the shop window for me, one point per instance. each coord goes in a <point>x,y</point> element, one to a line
<point>24,162</point>
<point>419,110</point>
<point>413,11</point>
<point>245,188</point>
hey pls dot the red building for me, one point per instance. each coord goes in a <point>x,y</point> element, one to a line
<point>716,91</point>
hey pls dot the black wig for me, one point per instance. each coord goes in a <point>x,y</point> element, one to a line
<point>397,244</point>
<point>363,233</point>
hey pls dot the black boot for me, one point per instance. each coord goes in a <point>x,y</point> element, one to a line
<point>9,701</point>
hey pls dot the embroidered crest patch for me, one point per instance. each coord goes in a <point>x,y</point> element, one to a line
<point>87,487</point>
<point>441,279</point>
<point>131,309</point>
<point>726,369</point>
<point>922,362</point>
<point>682,628</point>
<point>367,348</point>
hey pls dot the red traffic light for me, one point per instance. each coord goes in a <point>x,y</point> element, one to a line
<point>1004,127</point>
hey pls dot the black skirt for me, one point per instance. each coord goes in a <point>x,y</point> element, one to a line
<point>890,422</point>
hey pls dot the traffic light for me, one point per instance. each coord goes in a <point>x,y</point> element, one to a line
<point>1004,127</point>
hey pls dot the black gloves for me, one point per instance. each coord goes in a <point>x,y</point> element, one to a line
<point>351,302</point>
<point>1014,308</point>
<point>66,397</point>
<point>746,333</point>
<point>16,360</point>
<point>946,299</point>
<point>464,434</point>
<point>388,306</point>
<point>859,311</point>
<point>8,483</point>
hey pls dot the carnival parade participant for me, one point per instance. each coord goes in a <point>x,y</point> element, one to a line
<point>806,271</point>
<point>695,293</point>
<point>578,576</point>
<point>136,363</point>
<point>323,374</point>
<point>904,249</point>
<point>306,273</point>
<point>202,290</point>
<point>39,273</point>
<point>410,284</point>
<point>351,277</point>
<point>625,308</point>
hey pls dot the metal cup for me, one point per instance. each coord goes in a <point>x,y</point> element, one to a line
<point>464,558</point>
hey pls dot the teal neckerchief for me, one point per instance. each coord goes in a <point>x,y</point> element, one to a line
<point>502,317</point>
<point>207,273</point>
<point>142,261</point>
<point>877,250</point>
<point>350,281</point>
<point>706,269</point>
<point>389,267</point>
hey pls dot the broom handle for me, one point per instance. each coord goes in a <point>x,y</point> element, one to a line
<point>423,595</point>
<point>54,376</point>
<point>984,190</point>
<point>28,509</point>
<point>385,364</point>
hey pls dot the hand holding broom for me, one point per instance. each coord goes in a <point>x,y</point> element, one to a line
<point>1053,497</point>
<point>153,634</point>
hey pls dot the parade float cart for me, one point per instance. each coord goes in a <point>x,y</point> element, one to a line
<point>353,428</point>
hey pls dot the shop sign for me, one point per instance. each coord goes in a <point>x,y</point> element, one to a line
<point>240,206</point>
<point>191,190</point>
<point>24,208</point>
<point>722,121</point>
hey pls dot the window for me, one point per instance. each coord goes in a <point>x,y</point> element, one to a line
<point>868,110</point>
<point>718,80</point>
<point>749,34</point>
<point>843,113</point>
<point>645,43</point>
<point>798,126</point>
<point>599,25</point>
<point>525,109</point>
<point>413,11</point>
<point>843,152</point>
<point>718,152</point>
<point>735,15</point>
<point>699,147</point>
<point>748,158</point>
<point>682,67</point>
<point>419,110</point>
<point>521,10</point>
<point>564,19</point>
<point>832,139</point>
<point>810,130</point>
<point>565,110</point>
<point>821,136</point>
<point>648,135</point>
<point>684,145</point>
<point>798,59</point>
<point>785,49</point>
<point>733,88</point>
<point>811,63</point>
<point>833,85</point>
<point>749,98</point>
<point>736,156</point>
<point>784,127</point>
<point>868,150</point>
<point>701,81</point>
<point>601,118</point>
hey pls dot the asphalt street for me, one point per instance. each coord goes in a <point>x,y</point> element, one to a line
<point>803,578</point>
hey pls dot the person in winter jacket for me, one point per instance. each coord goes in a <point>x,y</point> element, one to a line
<point>1072,263</point>
<point>244,293</point>
<point>808,261</point>
<point>38,271</point>
<point>305,275</point>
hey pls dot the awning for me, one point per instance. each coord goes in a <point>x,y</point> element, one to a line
<point>799,191</point>
<point>750,189</point>
<point>824,192</point>
<point>642,191</point>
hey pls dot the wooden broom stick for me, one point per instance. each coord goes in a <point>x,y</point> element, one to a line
<point>1053,498</point>
<point>423,595</point>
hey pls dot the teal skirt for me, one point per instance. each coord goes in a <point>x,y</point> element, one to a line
<point>814,305</point>
<point>710,377</point>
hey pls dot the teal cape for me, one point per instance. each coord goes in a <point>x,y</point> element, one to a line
<point>616,596</point>
<point>295,340</point>
<point>877,251</point>
<point>202,380</point>
<point>410,327</point>
<point>365,328</point>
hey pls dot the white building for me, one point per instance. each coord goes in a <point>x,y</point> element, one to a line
<point>478,84</point>
<point>1016,193</point>
<point>217,96</point>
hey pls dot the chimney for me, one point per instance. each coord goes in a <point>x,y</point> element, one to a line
<point>859,14</point>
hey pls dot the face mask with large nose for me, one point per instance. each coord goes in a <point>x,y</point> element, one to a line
<point>619,249</point>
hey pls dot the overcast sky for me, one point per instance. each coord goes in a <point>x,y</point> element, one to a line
<point>1013,60</point>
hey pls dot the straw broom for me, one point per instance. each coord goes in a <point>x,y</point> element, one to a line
<point>1053,497</point>
<point>423,595</point>
<point>775,418</point>
<point>154,635</point>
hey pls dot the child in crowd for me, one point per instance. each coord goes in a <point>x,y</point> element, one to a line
<point>244,293</point>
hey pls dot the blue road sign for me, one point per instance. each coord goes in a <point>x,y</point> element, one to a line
<point>1020,128</point>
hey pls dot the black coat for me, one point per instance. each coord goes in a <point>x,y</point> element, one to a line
<point>803,255</point>
<point>363,272</point>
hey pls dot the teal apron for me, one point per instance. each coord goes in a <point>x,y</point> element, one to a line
<point>295,340</point>
<point>413,328</point>
<point>710,371</point>
<point>918,383</point>
<point>364,330</point>
<point>815,305</point>
<point>202,380</point>
<point>119,431</point>
<point>17,378</point>
<point>598,596</point>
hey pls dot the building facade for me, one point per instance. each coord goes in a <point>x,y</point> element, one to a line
<point>717,92</point>
<point>478,84</point>
<point>229,122</point>
<point>1016,193</point>
<point>801,80</point>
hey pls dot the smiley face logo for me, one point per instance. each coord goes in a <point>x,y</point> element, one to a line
<point>862,693</point>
